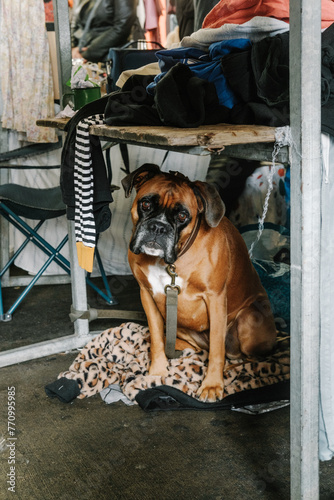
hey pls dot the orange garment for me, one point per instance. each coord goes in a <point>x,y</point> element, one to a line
<point>241,11</point>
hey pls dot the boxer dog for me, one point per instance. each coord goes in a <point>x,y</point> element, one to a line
<point>222,305</point>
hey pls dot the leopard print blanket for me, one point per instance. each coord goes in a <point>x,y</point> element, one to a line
<point>121,356</point>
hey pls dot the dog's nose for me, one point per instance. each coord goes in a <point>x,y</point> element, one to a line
<point>157,227</point>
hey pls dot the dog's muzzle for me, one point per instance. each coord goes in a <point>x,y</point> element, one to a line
<point>154,237</point>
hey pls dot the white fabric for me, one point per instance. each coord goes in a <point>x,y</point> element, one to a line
<point>251,201</point>
<point>113,393</point>
<point>255,30</point>
<point>326,430</point>
<point>26,73</point>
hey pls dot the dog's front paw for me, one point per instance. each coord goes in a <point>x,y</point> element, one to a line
<point>158,368</point>
<point>211,391</point>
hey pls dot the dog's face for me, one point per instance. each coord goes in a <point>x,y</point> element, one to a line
<point>165,210</point>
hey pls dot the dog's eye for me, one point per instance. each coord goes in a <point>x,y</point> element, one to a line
<point>182,216</point>
<point>145,205</point>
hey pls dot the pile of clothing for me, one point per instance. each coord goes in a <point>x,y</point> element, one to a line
<point>233,70</point>
<point>239,11</point>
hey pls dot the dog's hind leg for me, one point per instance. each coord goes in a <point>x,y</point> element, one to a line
<point>232,344</point>
<point>256,329</point>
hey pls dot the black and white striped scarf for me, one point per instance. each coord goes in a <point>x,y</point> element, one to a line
<point>84,223</point>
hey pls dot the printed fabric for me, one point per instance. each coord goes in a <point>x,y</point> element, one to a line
<point>26,75</point>
<point>121,355</point>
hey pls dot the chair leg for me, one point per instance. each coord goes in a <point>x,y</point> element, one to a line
<point>18,251</point>
<point>8,315</point>
<point>1,305</point>
<point>107,296</point>
<point>53,254</point>
<point>32,235</point>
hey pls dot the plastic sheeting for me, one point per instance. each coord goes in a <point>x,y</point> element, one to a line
<point>326,421</point>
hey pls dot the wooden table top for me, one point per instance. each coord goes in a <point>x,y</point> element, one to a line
<point>206,136</point>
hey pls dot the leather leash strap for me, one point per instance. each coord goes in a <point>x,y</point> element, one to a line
<point>172,291</point>
<point>171,323</point>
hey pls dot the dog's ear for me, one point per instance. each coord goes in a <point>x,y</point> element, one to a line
<point>209,202</point>
<point>138,177</point>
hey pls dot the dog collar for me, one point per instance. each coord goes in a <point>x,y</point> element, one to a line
<point>192,236</point>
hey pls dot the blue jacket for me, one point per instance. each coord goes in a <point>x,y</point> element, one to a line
<point>204,65</point>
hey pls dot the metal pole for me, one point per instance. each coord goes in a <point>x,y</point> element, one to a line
<point>305,116</point>
<point>63,44</point>
<point>79,289</point>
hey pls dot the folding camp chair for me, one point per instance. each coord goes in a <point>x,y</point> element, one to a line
<point>38,205</point>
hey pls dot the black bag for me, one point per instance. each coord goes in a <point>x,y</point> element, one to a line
<point>132,55</point>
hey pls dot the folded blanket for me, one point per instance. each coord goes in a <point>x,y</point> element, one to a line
<point>254,30</point>
<point>240,11</point>
<point>121,356</point>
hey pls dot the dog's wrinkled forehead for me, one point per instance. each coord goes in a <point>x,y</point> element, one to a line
<point>168,192</point>
<point>172,186</point>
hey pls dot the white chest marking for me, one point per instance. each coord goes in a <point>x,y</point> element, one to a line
<point>159,278</point>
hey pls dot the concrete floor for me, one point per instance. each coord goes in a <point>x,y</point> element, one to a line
<point>89,450</point>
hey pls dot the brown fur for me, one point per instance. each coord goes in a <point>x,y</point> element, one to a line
<point>222,304</point>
